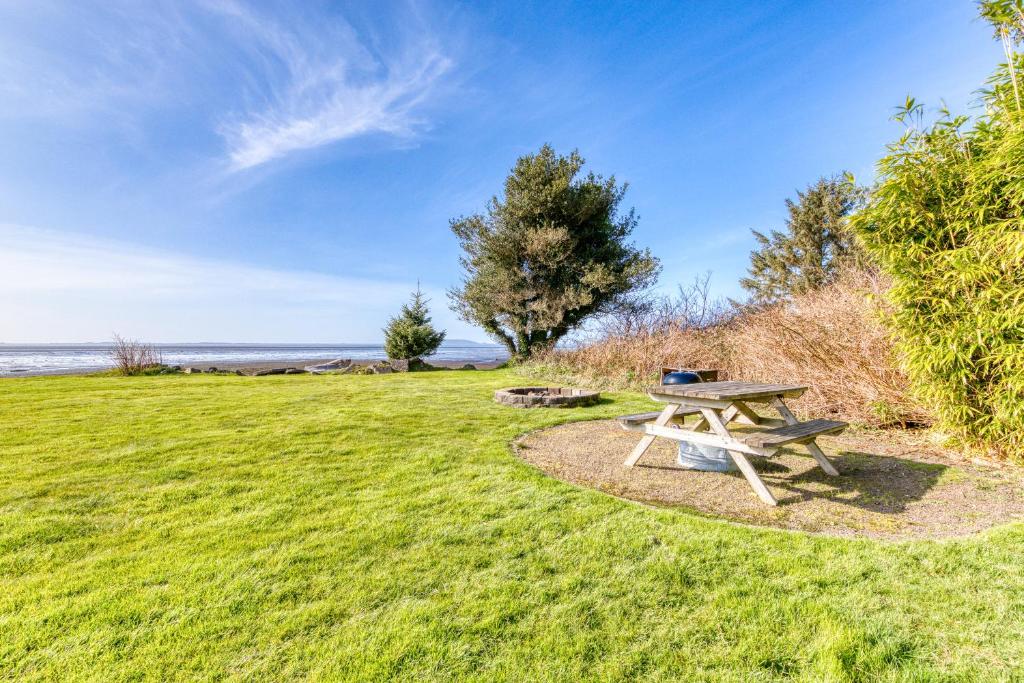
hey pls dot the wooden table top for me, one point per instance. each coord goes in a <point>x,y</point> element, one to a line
<point>728,391</point>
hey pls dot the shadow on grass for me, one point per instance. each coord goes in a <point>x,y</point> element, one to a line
<point>872,482</point>
<point>878,483</point>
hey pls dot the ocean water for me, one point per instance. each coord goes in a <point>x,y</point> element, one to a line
<point>41,359</point>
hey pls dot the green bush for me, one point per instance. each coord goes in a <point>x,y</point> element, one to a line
<point>945,222</point>
<point>410,334</point>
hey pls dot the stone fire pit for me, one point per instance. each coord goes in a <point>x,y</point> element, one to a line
<point>546,397</point>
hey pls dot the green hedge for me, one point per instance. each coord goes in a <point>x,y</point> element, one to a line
<point>945,221</point>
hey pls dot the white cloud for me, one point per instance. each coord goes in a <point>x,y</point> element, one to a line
<point>60,287</point>
<point>70,61</point>
<point>269,79</point>
<point>316,85</point>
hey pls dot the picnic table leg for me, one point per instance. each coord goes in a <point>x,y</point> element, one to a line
<point>719,427</point>
<point>744,414</point>
<point>728,416</point>
<point>645,443</point>
<point>811,446</point>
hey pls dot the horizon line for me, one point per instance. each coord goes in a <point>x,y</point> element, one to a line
<point>232,343</point>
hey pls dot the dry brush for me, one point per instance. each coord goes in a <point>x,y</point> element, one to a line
<point>832,340</point>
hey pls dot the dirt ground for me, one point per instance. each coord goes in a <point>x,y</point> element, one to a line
<point>892,484</point>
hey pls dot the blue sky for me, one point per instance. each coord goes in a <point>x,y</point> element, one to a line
<point>218,170</point>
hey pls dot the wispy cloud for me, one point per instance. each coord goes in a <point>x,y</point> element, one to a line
<point>267,79</point>
<point>68,61</point>
<point>56,282</point>
<point>316,85</point>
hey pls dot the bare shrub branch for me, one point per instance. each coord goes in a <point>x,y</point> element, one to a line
<point>132,357</point>
<point>692,308</point>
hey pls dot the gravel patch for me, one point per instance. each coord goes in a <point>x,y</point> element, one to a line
<point>892,484</point>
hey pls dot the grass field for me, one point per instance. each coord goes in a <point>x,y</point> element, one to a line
<point>222,527</point>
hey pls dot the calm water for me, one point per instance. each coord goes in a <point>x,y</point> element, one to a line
<point>40,359</point>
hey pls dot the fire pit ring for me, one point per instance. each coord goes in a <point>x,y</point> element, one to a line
<point>546,397</point>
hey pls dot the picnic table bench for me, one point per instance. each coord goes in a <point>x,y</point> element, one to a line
<point>721,403</point>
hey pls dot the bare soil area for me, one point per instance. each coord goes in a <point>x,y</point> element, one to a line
<point>892,484</point>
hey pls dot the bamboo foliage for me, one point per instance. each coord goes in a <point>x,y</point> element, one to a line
<point>945,222</point>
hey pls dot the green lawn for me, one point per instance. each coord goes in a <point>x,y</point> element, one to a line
<point>378,527</point>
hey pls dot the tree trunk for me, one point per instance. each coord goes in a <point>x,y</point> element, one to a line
<point>523,342</point>
<point>554,335</point>
<point>492,328</point>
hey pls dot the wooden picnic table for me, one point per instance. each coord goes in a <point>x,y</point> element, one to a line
<point>719,404</point>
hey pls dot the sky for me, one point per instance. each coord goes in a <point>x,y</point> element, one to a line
<point>231,171</point>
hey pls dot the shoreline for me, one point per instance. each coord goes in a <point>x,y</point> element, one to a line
<point>254,366</point>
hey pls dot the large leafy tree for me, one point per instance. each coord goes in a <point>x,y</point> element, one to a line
<point>945,221</point>
<point>410,334</point>
<point>548,254</point>
<point>815,245</point>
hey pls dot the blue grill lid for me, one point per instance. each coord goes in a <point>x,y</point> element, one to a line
<point>681,378</point>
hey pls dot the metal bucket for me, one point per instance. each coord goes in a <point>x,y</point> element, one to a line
<point>705,458</point>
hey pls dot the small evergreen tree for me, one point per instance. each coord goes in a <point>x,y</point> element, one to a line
<point>409,334</point>
<point>817,243</point>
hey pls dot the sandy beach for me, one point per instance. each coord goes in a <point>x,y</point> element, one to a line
<point>249,367</point>
<point>252,367</point>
